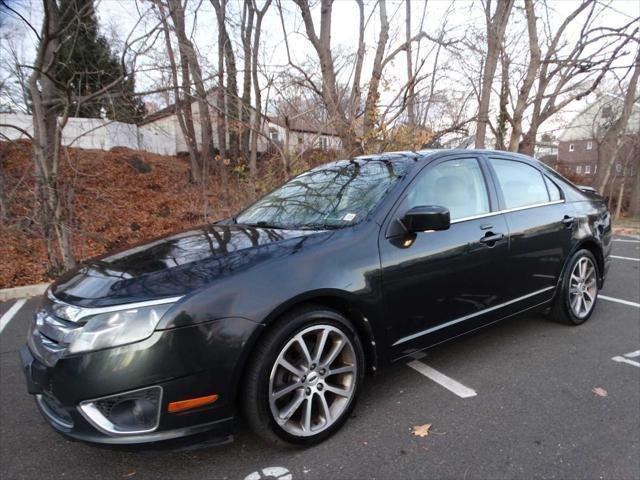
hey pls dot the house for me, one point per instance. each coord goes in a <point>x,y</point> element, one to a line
<point>578,147</point>
<point>298,137</point>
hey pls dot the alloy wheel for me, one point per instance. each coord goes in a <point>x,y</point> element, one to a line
<point>583,287</point>
<point>313,380</point>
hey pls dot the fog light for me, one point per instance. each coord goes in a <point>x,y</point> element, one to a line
<point>127,413</point>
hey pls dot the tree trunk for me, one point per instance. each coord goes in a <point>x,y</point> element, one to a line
<point>245,112</point>
<point>183,104</point>
<point>257,120</point>
<point>46,142</point>
<point>634,205</point>
<point>411,98</point>
<point>534,64</point>
<point>373,94</point>
<point>496,26</point>
<point>609,146</point>
<point>206,130</point>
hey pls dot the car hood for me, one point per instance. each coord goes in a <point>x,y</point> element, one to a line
<point>176,265</point>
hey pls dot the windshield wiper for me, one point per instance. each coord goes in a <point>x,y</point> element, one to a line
<point>263,224</point>
<point>318,226</point>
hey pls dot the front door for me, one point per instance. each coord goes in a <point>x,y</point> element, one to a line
<point>437,284</point>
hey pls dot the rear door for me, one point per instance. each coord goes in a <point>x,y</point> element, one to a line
<point>540,226</point>
<point>437,284</point>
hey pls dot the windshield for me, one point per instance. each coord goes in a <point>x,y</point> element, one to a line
<point>330,196</point>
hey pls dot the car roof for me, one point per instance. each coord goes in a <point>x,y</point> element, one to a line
<point>430,153</point>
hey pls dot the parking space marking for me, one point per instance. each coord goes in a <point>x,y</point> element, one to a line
<point>441,379</point>
<point>632,354</point>
<point>4,321</point>
<point>626,258</point>
<point>625,240</point>
<point>618,300</point>
<point>626,360</point>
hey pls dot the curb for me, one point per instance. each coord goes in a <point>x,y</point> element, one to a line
<point>23,292</point>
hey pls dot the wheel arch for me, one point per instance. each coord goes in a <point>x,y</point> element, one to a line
<point>334,299</point>
<point>592,245</point>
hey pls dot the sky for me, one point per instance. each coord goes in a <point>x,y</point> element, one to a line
<point>118,18</point>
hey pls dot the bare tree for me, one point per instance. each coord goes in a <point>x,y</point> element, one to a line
<point>566,72</point>
<point>259,14</point>
<point>52,103</point>
<point>609,146</point>
<point>182,102</point>
<point>230,108</point>
<point>496,25</point>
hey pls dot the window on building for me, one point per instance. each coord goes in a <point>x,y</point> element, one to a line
<point>587,169</point>
<point>579,169</point>
<point>274,135</point>
<point>589,145</point>
<point>323,143</point>
<point>299,139</point>
<point>572,147</point>
<point>618,168</point>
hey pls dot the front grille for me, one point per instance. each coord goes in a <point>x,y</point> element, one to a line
<point>53,331</point>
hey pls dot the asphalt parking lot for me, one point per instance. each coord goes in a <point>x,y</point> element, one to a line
<point>527,398</point>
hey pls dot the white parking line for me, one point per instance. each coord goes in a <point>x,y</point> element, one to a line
<point>625,240</point>
<point>617,300</point>
<point>441,379</point>
<point>632,354</point>
<point>625,360</point>
<point>4,321</point>
<point>626,258</point>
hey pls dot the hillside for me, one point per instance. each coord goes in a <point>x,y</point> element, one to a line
<point>114,202</point>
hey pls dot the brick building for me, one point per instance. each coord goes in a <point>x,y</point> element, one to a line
<point>578,146</point>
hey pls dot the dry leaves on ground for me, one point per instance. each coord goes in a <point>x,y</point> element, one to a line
<point>422,430</point>
<point>599,391</point>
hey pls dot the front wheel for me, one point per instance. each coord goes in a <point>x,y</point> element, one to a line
<point>304,377</point>
<point>576,299</point>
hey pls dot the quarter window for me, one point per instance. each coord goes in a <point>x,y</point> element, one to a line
<point>522,185</point>
<point>456,184</point>
<point>554,190</point>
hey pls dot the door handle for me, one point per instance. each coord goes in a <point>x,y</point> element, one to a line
<point>491,238</point>
<point>568,221</point>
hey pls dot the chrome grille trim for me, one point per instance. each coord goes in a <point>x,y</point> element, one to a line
<point>90,311</point>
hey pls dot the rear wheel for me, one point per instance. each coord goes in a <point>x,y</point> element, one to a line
<point>578,293</point>
<point>304,377</point>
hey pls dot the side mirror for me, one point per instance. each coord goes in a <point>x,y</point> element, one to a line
<point>428,217</point>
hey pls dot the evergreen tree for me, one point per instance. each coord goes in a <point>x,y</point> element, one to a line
<point>87,64</point>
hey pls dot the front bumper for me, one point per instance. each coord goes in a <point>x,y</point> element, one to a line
<point>185,363</point>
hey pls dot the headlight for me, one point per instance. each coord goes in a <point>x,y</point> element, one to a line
<point>116,328</point>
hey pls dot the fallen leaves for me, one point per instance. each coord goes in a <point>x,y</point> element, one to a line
<point>422,430</point>
<point>112,206</point>
<point>599,391</point>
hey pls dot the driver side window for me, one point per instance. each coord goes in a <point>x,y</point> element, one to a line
<point>456,184</point>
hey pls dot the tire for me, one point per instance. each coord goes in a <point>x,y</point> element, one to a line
<point>316,380</point>
<point>573,287</point>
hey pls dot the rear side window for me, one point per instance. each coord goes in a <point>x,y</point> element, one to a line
<point>522,185</point>
<point>554,190</point>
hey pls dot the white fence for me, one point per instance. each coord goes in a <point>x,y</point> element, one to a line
<point>95,133</point>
